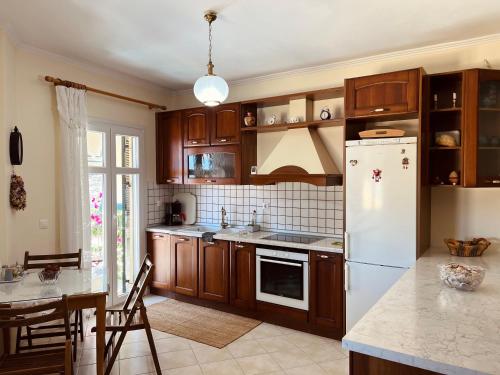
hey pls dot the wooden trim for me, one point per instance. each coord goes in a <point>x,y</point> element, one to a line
<point>313,179</point>
<point>330,93</point>
<point>362,364</point>
<point>80,86</point>
<point>469,128</point>
<point>299,125</point>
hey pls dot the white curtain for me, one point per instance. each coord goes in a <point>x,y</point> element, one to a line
<point>74,198</point>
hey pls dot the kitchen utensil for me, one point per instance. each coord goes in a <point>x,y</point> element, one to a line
<point>461,276</point>
<point>474,248</point>
<point>188,203</point>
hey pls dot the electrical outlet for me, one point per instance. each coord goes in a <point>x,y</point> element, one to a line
<point>43,224</point>
<point>265,205</point>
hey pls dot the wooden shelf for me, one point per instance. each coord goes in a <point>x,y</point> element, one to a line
<point>313,179</point>
<point>453,109</point>
<point>485,109</point>
<point>299,125</point>
<point>331,93</point>
<point>489,148</point>
<point>446,148</point>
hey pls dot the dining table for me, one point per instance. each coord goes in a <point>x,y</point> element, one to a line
<point>77,285</point>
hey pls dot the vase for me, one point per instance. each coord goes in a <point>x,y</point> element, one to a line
<point>249,119</point>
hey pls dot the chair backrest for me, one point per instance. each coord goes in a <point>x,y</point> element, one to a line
<point>140,284</point>
<point>65,260</point>
<point>12,317</point>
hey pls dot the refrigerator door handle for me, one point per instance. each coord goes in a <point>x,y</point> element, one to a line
<point>346,245</point>
<point>346,277</point>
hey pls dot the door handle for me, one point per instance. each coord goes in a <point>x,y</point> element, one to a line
<point>210,181</point>
<point>210,242</point>
<point>280,262</point>
<point>346,277</point>
<point>346,245</point>
<point>378,110</point>
<point>194,142</point>
<point>323,256</point>
<point>182,239</point>
<point>222,140</point>
<point>238,246</point>
<point>157,236</point>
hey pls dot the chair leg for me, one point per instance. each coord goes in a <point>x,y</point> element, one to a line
<point>28,333</point>
<point>18,339</point>
<point>80,312</point>
<point>75,337</point>
<point>151,341</point>
<point>114,354</point>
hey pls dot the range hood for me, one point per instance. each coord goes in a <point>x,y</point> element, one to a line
<point>299,156</point>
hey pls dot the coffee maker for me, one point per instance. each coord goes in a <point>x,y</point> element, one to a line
<point>175,213</point>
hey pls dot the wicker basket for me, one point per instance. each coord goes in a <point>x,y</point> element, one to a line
<point>474,248</point>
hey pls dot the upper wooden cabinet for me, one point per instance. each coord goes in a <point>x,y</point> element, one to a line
<point>242,275</point>
<point>169,147</point>
<point>226,124</point>
<point>184,265</point>
<point>326,308</point>
<point>214,271</point>
<point>159,250</point>
<point>383,94</point>
<point>196,127</point>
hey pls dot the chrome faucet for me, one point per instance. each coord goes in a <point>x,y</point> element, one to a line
<point>223,222</point>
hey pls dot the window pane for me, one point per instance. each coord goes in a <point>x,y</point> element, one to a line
<point>127,151</point>
<point>97,227</point>
<point>95,148</point>
<point>127,236</point>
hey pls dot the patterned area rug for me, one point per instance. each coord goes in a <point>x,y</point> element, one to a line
<point>198,323</point>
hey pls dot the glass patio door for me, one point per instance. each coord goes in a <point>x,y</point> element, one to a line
<point>115,177</point>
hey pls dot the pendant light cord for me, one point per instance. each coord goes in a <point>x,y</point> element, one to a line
<point>210,65</point>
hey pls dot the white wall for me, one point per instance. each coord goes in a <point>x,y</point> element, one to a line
<point>33,105</point>
<point>456,213</point>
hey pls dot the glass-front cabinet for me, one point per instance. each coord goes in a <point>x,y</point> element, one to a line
<point>482,126</point>
<point>212,165</point>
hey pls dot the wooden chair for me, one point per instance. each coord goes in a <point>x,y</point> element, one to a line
<point>131,317</point>
<point>33,262</point>
<point>48,361</point>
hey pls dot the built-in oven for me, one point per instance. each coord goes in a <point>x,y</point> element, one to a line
<point>282,277</point>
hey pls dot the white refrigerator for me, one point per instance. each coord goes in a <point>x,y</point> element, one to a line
<point>381,219</point>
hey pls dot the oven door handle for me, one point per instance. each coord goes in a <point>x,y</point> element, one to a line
<point>280,262</point>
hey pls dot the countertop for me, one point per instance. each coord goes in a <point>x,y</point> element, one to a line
<point>327,244</point>
<point>422,323</point>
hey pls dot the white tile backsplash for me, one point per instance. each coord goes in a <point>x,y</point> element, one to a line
<point>290,206</point>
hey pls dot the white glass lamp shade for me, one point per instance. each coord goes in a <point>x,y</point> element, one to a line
<point>211,90</point>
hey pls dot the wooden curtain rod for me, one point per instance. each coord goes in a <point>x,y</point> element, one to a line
<point>60,82</point>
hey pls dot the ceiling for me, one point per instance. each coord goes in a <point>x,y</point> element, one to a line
<point>165,42</point>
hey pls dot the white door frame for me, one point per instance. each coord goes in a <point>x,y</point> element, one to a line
<point>110,170</point>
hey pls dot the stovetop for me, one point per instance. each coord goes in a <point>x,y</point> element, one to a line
<point>296,238</point>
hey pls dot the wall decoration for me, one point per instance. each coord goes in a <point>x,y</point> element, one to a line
<point>16,147</point>
<point>17,193</point>
<point>377,175</point>
<point>249,119</point>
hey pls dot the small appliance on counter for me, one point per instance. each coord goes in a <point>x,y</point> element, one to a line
<point>176,213</point>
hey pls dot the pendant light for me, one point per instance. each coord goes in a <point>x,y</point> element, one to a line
<point>210,89</point>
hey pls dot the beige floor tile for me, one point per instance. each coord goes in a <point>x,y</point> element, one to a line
<point>245,348</point>
<point>177,359</point>
<point>157,335</point>
<point>190,370</point>
<point>210,354</point>
<point>91,370</point>
<point>313,369</point>
<point>336,367</point>
<point>88,357</point>
<point>198,345</point>
<point>291,358</point>
<point>258,364</point>
<point>171,345</point>
<point>135,365</point>
<point>229,367</point>
<point>266,330</point>
<point>134,349</point>
<point>322,352</point>
<point>275,344</point>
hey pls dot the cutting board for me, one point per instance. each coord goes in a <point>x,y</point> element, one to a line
<point>188,202</point>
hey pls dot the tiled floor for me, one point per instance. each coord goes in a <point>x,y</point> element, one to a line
<point>268,349</point>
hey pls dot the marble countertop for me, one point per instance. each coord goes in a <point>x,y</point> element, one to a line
<point>327,244</point>
<point>422,323</point>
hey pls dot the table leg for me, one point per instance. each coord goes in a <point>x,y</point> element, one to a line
<point>100,333</point>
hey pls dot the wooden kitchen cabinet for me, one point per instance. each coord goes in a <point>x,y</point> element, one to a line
<point>225,126</point>
<point>196,127</point>
<point>213,271</point>
<point>383,94</point>
<point>242,271</point>
<point>158,245</point>
<point>326,289</point>
<point>169,155</point>
<point>184,265</point>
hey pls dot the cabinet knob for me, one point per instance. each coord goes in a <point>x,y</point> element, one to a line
<point>239,246</point>
<point>210,181</point>
<point>157,236</point>
<point>169,181</point>
<point>324,256</point>
<point>222,140</point>
<point>194,142</point>
<point>210,242</point>
<point>182,239</point>
<point>378,110</point>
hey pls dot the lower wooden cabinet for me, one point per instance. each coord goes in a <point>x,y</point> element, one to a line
<point>213,270</point>
<point>242,271</point>
<point>158,245</point>
<point>184,265</point>
<point>362,364</point>
<point>326,288</point>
